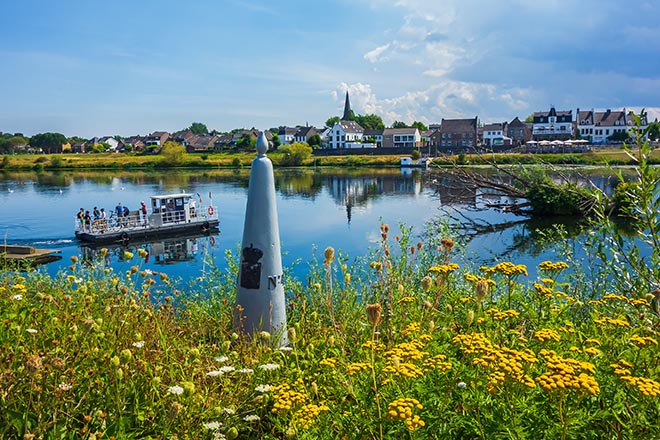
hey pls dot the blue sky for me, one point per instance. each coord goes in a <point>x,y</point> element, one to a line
<point>93,68</point>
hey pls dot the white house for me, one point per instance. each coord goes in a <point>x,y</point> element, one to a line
<point>553,125</point>
<point>597,127</point>
<point>343,133</point>
<point>287,135</point>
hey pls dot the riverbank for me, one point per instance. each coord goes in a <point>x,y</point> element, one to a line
<point>404,344</point>
<point>128,161</point>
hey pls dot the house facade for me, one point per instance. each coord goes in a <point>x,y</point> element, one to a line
<point>304,133</point>
<point>493,135</point>
<point>157,138</point>
<point>344,134</point>
<point>401,138</point>
<point>598,127</point>
<point>375,136</point>
<point>552,125</point>
<point>518,131</point>
<point>455,135</point>
<point>287,135</point>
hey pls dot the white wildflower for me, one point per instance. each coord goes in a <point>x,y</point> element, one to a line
<point>461,385</point>
<point>246,370</point>
<point>221,358</point>
<point>286,348</point>
<point>228,411</point>
<point>17,297</point>
<point>31,330</point>
<point>64,386</point>
<point>268,367</point>
<point>263,388</point>
<point>252,418</point>
<point>175,390</point>
<point>214,373</point>
<point>138,344</point>
<point>213,426</point>
<point>227,369</point>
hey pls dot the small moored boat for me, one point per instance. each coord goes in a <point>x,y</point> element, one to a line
<point>170,214</point>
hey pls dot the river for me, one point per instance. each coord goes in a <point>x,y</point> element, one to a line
<point>317,208</point>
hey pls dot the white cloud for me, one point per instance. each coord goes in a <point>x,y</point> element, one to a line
<point>375,55</point>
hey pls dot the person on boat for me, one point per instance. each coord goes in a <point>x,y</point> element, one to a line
<point>81,218</point>
<point>119,210</point>
<point>125,213</point>
<point>102,221</point>
<point>88,222</point>
<point>192,205</point>
<point>96,213</point>
<point>143,209</point>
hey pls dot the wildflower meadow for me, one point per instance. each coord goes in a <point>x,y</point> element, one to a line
<point>412,342</point>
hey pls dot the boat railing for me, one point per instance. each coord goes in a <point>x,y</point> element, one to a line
<point>135,220</point>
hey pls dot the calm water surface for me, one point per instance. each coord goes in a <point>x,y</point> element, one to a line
<point>317,208</point>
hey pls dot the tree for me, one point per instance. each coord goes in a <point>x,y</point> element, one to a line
<point>49,142</point>
<point>295,153</point>
<point>332,121</point>
<point>619,136</point>
<point>419,126</point>
<point>654,131</point>
<point>198,128</point>
<point>370,122</point>
<point>415,155</point>
<point>315,140</point>
<point>276,141</point>
<point>173,153</point>
<point>529,119</point>
<point>246,142</point>
<point>399,124</point>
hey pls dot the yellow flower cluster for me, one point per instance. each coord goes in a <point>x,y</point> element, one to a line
<point>286,397</point>
<point>549,266</point>
<point>406,300</point>
<point>631,301</point>
<point>304,418</point>
<point>592,341</point>
<point>642,341</point>
<point>547,292</point>
<point>356,367</point>
<point>648,387</point>
<point>444,268</point>
<point>505,363</point>
<point>329,362</point>
<point>613,321</point>
<point>438,362</point>
<point>402,409</point>
<point>376,265</point>
<point>407,351</point>
<point>546,334</point>
<point>475,279</point>
<point>20,288</point>
<point>413,327</point>
<point>377,346</point>
<point>405,369</point>
<point>507,268</point>
<point>567,373</point>
<point>497,315</point>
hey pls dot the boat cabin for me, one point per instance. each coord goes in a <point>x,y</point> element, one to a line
<point>172,208</point>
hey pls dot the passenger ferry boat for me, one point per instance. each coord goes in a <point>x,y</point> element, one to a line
<point>170,214</point>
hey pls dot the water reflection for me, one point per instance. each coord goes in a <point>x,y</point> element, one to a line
<point>164,251</point>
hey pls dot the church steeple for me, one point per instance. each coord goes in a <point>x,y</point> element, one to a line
<point>347,109</point>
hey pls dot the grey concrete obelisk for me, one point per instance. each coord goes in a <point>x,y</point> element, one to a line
<point>260,292</point>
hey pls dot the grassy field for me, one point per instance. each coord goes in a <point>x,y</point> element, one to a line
<point>234,160</point>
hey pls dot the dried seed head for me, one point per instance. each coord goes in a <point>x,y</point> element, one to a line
<point>481,290</point>
<point>329,254</point>
<point>373,313</point>
<point>447,243</point>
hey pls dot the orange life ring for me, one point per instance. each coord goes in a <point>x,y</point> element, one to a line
<point>211,211</point>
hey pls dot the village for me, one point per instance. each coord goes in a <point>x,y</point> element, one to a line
<point>542,132</point>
